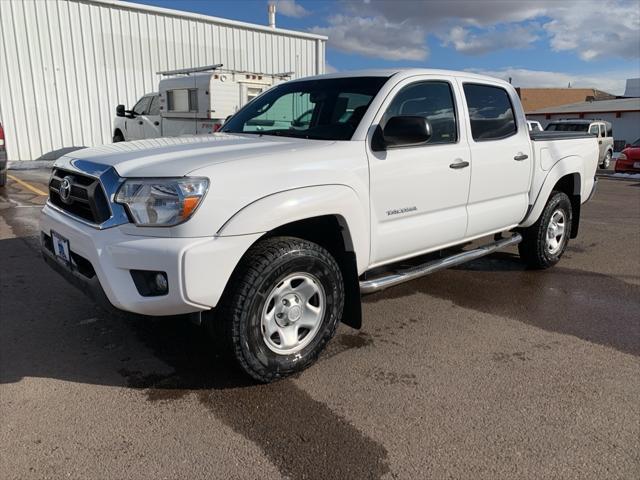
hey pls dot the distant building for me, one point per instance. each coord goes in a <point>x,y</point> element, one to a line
<point>537,98</point>
<point>623,113</point>
<point>632,88</point>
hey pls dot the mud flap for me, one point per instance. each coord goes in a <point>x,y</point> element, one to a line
<point>352,312</point>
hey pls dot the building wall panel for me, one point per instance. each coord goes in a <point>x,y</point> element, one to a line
<point>66,64</point>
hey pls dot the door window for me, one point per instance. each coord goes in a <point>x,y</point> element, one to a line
<point>490,112</point>
<point>154,108</point>
<point>431,100</point>
<point>142,106</point>
<point>594,130</point>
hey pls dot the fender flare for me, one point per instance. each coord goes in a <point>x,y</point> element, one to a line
<point>571,165</point>
<point>281,208</point>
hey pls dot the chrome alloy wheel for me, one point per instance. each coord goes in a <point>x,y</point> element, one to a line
<point>293,313</point>
<point>556,232</point>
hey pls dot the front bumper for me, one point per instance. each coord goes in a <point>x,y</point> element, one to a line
<point>197,268</point>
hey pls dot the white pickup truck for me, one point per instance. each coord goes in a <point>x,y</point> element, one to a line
<point>271,230</point>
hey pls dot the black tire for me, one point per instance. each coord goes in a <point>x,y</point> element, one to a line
<point>534,249</point>
<point>606,161</point>
<point>118,137</point>
<point>3,178</point>
<point>237,323</point>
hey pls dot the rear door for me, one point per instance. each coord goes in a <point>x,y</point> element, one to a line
<point>419,193</point>
<point>500,158</point>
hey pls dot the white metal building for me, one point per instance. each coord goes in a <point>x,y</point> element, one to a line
<point>66,64</point>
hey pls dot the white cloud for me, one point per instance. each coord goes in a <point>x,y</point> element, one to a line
<point>464,41</point>
<point>611,82</point>
<point>596,29</point>
<point>328,68</point>
<point>375,37</point>
<point>589,28</point>
<point>289,8</point>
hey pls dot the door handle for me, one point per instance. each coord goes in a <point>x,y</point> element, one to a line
<point>600,142</point>
<point>520,157</point>
<point>156,123</point>
<point>458,165</point>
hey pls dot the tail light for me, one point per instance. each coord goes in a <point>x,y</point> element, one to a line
<point>1,137</point>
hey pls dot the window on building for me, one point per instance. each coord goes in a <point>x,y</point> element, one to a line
<point>431,100</point>
<point>490,112</point>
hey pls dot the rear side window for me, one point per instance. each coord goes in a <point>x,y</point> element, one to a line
<point>431,100</point>
<point>609,130</point>
<point>490,112</point>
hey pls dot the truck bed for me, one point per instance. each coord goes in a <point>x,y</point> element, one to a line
<point>541,136</point>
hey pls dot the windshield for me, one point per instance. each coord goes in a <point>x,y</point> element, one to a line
<point>568,127</point>
<point>329,109</point>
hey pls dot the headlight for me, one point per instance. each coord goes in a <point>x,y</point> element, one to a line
<point>162,202</point>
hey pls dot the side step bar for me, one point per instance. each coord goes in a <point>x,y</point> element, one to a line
<point>401,276</point>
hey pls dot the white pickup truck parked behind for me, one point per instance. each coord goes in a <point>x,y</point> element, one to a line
<point>190,101</point>
<point>275,226</point>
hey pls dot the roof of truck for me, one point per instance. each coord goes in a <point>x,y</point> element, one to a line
<point>405,72</point>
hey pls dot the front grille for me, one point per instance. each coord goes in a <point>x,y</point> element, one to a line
<point>86,197</point>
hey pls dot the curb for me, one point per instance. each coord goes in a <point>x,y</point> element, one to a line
<point>612,176</point>
<point>29,164</point>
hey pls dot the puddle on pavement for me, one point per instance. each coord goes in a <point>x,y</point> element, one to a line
<point>301,436</point>
<point>591,306</point>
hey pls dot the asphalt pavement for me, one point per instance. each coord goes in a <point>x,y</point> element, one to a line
<point>483,371</point>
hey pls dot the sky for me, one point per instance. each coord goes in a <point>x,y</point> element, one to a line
<point>543,43</point>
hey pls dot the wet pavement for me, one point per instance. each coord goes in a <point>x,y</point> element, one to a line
<point>483,371</point>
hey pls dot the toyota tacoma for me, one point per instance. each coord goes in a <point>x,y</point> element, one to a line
<point>269,231</point>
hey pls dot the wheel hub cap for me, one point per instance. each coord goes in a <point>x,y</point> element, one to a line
<point>293,313</point>
<point>556,232</point>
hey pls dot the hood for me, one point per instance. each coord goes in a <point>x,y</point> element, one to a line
<point>177,156</point>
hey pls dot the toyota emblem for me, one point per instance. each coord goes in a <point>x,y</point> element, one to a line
<point>65,190</point>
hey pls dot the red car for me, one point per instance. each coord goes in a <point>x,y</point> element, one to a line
<point>629,159</point>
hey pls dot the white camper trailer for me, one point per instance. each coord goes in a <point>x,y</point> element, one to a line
<point>191,101</point>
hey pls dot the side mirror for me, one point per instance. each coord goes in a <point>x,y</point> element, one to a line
<point>406,130</point>
<point>120,112</point>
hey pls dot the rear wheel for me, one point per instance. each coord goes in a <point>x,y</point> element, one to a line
<point>281,307</point>
<point>3,178</point>
<point>606,161</point>
<point>544,242</point>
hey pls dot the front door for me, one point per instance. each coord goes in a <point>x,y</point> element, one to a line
<point>151,127</point>
<point>419,193</point>
<point>133,125</point>
<point>500,158</point>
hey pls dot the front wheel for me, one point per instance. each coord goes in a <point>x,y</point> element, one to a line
<point>544,242</point>
<point>282,305</point>
<point>606,161</point>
